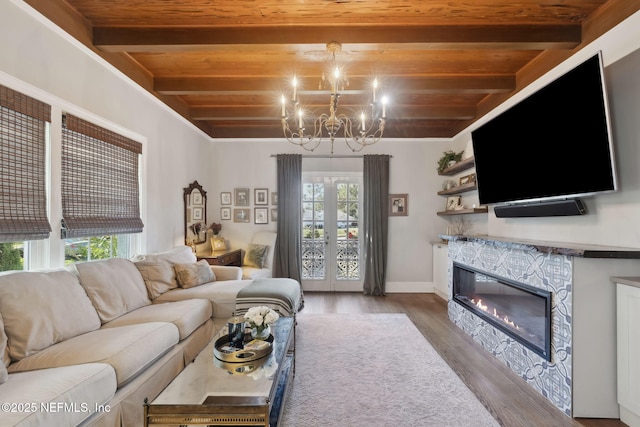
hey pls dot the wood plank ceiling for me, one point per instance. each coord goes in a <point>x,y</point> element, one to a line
<point>443,64</point>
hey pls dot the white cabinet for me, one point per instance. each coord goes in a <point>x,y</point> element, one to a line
<point>628,325</point>
<point>440,272</point>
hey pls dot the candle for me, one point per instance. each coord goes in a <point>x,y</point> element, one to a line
<point>284,112</point>
<point>362,120</point>
<point>295,88</point>
<point>300,119</point>
<point>384,107</point>
<point>375,85</point>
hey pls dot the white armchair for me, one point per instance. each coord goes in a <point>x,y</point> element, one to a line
<point>251,268</point>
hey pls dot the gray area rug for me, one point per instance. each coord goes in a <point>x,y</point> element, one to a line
<point>374,370</point>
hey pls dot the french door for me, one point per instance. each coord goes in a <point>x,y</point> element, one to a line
<point>331,238</point>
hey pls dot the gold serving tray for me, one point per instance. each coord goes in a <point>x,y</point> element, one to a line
<point>240,356</point>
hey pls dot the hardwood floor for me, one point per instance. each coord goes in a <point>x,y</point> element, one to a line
<point>507,397</point>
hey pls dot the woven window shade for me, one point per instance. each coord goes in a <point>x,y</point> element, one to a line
<point>99,181</point>
<point>23,194</point>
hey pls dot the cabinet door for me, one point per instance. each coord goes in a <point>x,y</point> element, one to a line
<point>440,270</point>
<point>628,316</point>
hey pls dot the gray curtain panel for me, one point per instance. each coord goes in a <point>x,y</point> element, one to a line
<point>288,251</point>
<point>375,222</point>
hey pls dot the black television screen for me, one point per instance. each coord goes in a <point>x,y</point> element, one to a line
<point>554,144</point>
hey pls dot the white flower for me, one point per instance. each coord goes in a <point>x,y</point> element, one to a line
<point>261,315</point>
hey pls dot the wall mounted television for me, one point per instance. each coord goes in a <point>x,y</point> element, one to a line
<point>553,145</point>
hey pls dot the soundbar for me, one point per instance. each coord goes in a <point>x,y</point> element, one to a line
<point>569,207</point>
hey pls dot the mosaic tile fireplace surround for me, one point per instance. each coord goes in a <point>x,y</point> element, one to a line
<point>580,377</point>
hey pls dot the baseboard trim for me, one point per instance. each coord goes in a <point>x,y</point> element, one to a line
<point>409,287</point>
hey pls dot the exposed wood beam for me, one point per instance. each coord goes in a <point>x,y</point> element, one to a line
<point>415,84</point>
<point>537,37</point>
<point>272,112</point>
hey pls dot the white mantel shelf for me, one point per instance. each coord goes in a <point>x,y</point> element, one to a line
<point>579,250</point>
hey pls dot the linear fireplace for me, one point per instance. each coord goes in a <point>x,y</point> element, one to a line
<point>519,310</point>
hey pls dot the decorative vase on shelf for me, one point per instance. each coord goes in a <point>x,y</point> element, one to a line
<point>261,333</point>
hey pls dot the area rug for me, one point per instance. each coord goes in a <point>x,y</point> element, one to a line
<point>374,370</point>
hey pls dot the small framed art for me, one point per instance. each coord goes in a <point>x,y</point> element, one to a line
<point>261,216</point>
<point>453,202</point>
<point>225,213</point>
<point>274,198</point>
<point>197,214</point>
<point>398,204</point>
<point>225,198</point>
<point>241,215</point>
<point>196,198</point>
<point>261,196</point>
<point>274,215</point>
<point>242,196</point>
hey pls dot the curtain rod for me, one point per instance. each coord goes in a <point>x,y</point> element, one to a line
<point>330,156</point>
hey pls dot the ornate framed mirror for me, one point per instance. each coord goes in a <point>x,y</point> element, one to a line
<point>195,214</point>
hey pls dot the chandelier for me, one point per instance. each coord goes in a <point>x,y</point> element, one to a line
<point>358,132</point>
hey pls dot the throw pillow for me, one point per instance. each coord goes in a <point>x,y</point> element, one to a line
<point>159,277</point>
<point>256,256</point>
<point>190,275</point>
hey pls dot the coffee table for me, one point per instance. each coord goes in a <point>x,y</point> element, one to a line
<point>216,393</point>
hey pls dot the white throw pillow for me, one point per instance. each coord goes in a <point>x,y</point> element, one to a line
<point>40,309</point>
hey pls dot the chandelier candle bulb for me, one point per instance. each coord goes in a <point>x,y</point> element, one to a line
<point>362,120</point>
<point>295,87</point>
<point>300,119</point>
<point>284,112</point>
<point>375,85</point>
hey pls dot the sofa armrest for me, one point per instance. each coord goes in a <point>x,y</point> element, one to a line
<point>225,272</point>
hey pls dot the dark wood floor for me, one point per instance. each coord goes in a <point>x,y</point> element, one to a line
<point>507,397</point>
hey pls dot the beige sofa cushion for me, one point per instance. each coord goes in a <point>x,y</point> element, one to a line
<point>157,269</point>
<point>129,349</point>
<point>222,295</point>
<point>187,315</point>
<point>114,286</point>
<point>194,274</point>
<point>3,350</point>
<point>40,309</point>
<point>81,388</point>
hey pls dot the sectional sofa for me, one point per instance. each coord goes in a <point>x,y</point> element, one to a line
<point>87,344</point>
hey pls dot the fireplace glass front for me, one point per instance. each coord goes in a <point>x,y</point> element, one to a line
<point>519,310</point>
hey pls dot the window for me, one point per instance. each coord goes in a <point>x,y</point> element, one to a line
<point>23,159</point>
<point>100,183</point>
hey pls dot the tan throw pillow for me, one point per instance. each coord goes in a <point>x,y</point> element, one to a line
<point>191,275</point>
<point>159,277</point>
<point>256,255</point>
<point>4,375</point>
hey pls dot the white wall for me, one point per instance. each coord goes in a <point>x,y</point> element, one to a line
<point>38,59</point>
<point>248,163</point>
<point>612,219</point>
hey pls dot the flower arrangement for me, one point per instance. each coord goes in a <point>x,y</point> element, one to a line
<point>215,228</point>
<point>260,318</point>
<point>196,228</point>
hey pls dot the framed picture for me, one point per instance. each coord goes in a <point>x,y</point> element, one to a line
<point>196,198</point>
<point>242,196</point>
<point>225,213</point>
<point>274,198</point>
<point>261,216</point>
<point>274,215</point>
<point>241,215</point>
<point>261,196</point>
<point>398,204</point>
<point>468,179</point>
<point>196,214</point>
<point>225,198</point>
<point>452,203</point>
